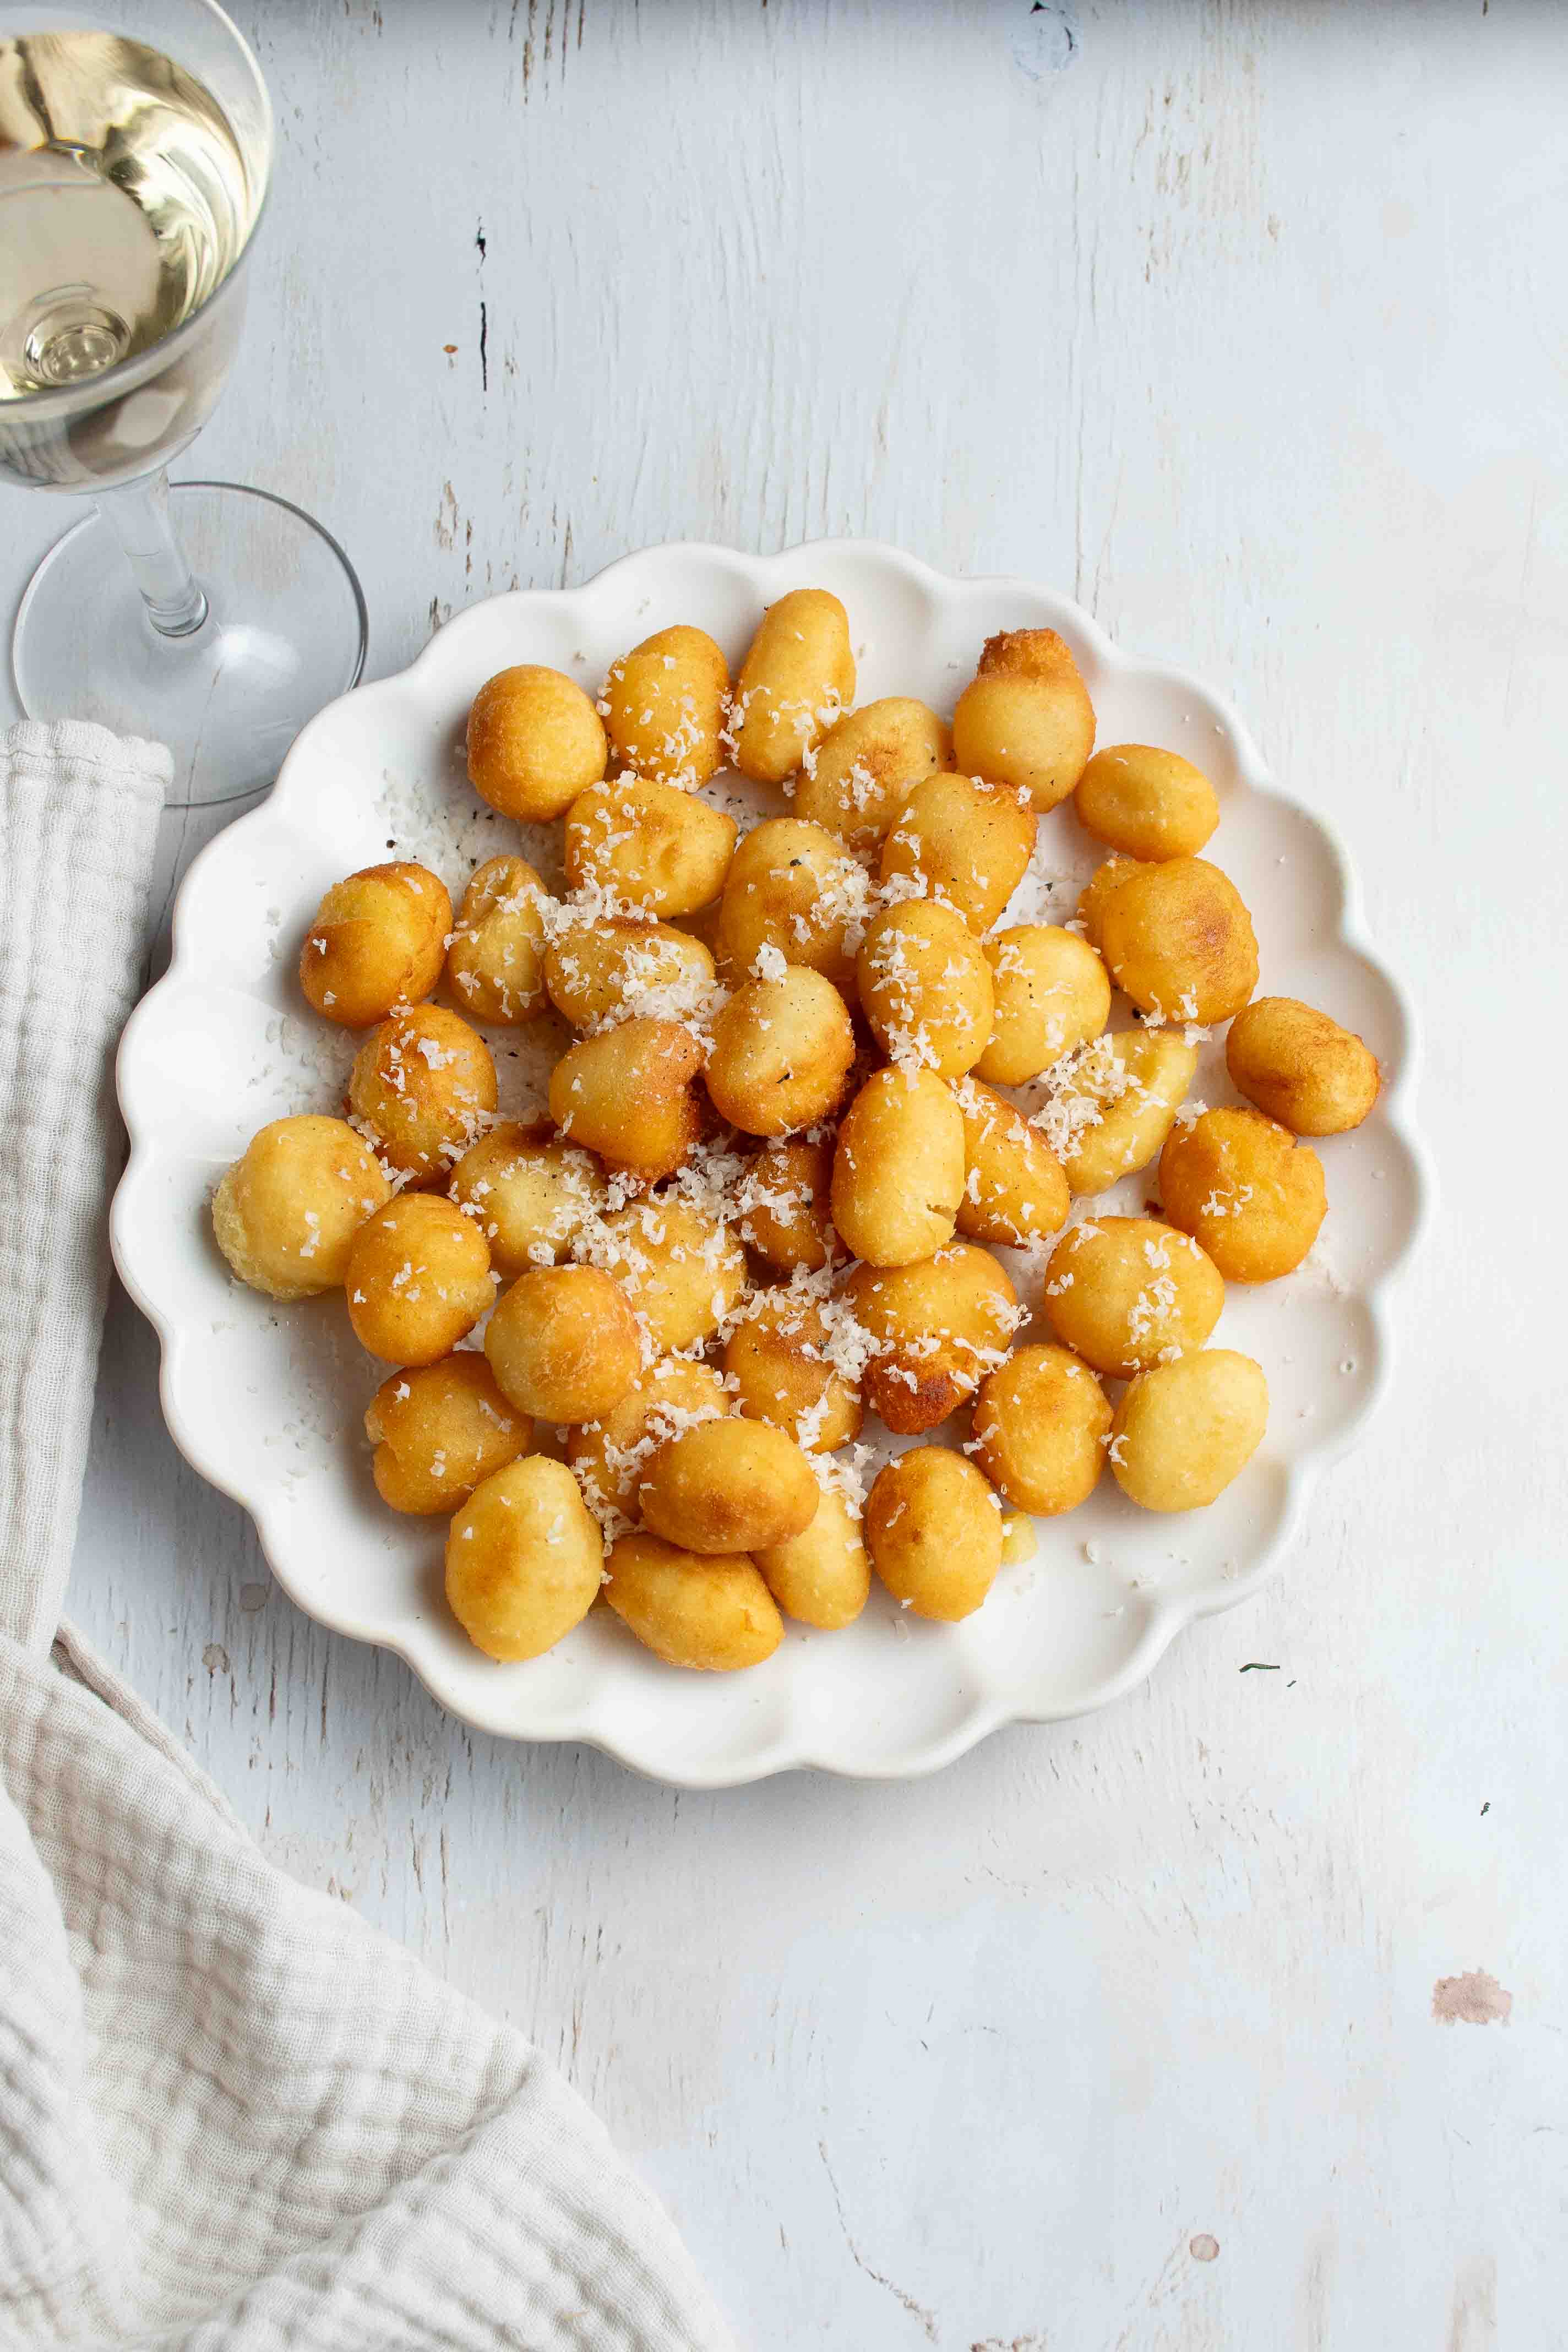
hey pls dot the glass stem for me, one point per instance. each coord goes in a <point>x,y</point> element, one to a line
<point>138,514</point>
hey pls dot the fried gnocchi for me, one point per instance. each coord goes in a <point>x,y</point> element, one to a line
<point>530,1193</point>
<point>681,1269</point>
<point>418,1280</point>
<point>710,1612</point>
<point>1118,1104</point>
<point>1244,1188</point>
<point>664,707</point>
<point>285,1213</point>
<point>1015,1191</point>
<point>602,972</point>
<point>937,1328</point>
<point>1182,1431</point>
<point>1178,938</point>
<point>379,939</point>
<point>823,1576</point>
<point>535,742</point>
<point>1126,1293</point>
<point>1041,1425</point>
<point>791,887</point>
<point>495,962</point>
<point>654,848</point>
<point>782,1052</point>
<point>728,1485</point>
<point>866,766</point>
<point>966,842</point>
<point>439,1430</point>
<point>424,1085</point>
<point>1146,803</point>
<point>524,1560</point>
<point>785,1214</point>
<point>611,1455</point>
<point>1026,719</point>
<point>779,1366</point>
<point>797,677</point>
<point>898,1170</point>
<point>1300,1067</point>
<point>563,1344</point>
<point>630,1094</point>
<point>933,1529</point>
<point>925,987</point>
<point>1052,994</point>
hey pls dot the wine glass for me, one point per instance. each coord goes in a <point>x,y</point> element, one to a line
<point>136,145</point>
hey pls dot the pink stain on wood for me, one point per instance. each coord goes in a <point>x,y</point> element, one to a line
<point>1202,2248</point>
<point>1475,1999</point>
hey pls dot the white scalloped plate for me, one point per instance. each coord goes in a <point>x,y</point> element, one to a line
<point>266,1401</point>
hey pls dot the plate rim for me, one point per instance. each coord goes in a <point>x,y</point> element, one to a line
<point>1168,1617</point>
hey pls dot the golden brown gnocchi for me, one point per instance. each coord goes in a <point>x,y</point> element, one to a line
<point>651,846</point>
<point>710,1612</point>
<point>1014,1188</point>
<point>867,764</point>
<point>897,1169</point>
<point>823,1576</point>
<point>1041,1426</point>
<point>600,972</point>
<point>563,1344</point>
<point>728,1485</point>
<point>1125,1293</point>
<point>610,1456</point>
<point>778,1365</point>
<point>1243,1186</point>
<point>630,1094</point>
<point>681,1269</point>
<point>524,1560</point>
<point>797,677</point>
<point>1182,1431</point>
<point>963,840</point>
<point>439,1430</point>
<point>782,1052</point>
<point>495,962</point>
<point>933,1529</point>
<point>785,1214</point>
<point>937,1328</point>
<point>664,707</point>
<point>424,1085</point>
<point>378,938</point>
<point>1178,938</point>
<point>1051,995</point>
<point>1026,719</point>
<point>925,987</point>
<point>1300,1067</point>
<point>1146,803</point>
<point>418,1280</point>
<point>285,1213</point>
<point>535,742</point>
<point>530,1193</point>
<point>794,888</point>
<point>1118,1104</point>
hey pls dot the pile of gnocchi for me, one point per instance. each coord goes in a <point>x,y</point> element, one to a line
<point>820,1114</point>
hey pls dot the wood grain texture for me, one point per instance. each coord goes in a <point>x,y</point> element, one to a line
<point>1245,322</point>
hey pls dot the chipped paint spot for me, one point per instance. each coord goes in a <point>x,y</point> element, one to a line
<point>1474,1999</point>
<point>447,518</point>
<point>1048,41</point>
<point>252,1597</point>
<point>215,1658</point>
<point>1202,2248</point>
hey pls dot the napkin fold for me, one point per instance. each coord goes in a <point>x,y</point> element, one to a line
<point>232,2118</point>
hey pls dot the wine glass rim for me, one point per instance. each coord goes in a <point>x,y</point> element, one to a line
<point>76,399</point>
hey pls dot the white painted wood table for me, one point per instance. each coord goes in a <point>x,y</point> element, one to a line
<point>1245,323</point>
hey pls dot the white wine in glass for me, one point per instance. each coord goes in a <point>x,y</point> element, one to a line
<point>135,154</point>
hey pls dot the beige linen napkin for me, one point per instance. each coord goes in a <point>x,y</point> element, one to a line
<point>231,2115</point>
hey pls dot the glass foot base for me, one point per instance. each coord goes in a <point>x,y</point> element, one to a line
<point>285,633</point>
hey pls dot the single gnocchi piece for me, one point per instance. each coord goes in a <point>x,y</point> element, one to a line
<point>655,848</point>
<point>925,987</point>
<point>530,1193</point>
<point>785,1214</point>
<point>496,961</point>
<point>1052,994</point>
<point>535,742</point>
<point>630,1094</point>
<point>1244,1188</point>
<point>439,1430</point>
<point>1146,803</point>
<point>1026,719</point>
<point>285,1213</point>
<point>524,1560</point>
<point>1097,889</point>
<point>1041,1426</point>
<point>379,939</point>
<point>1113,1109</point>
<point>601,972</point>
<point>898,1170</point>
<point>866,766</point>
<point>611,1455</point>
<point>966,842</point>
<point>664,707</point>
<point>728,1485</point>
<point>1300,1067</point>
<point>1126,1293</point>
<point>563,1344</point>
<point>797,677</point>
<point>933,1529</point>
<point>779,1366</point>
<point>1184,1431</point>
<point>1178,938</point>
<point>1014,1188</point>
<point>794,888</point>
<point>681,1269</point>
<point>782,1052</point>
<point>936,1329</point>
<point>424,1084</point>
<point>822,1577</point>
<point>709,1612</point>
<point>418,1280</point>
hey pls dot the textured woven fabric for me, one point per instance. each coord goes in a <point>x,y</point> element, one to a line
<point>231,2115</point>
